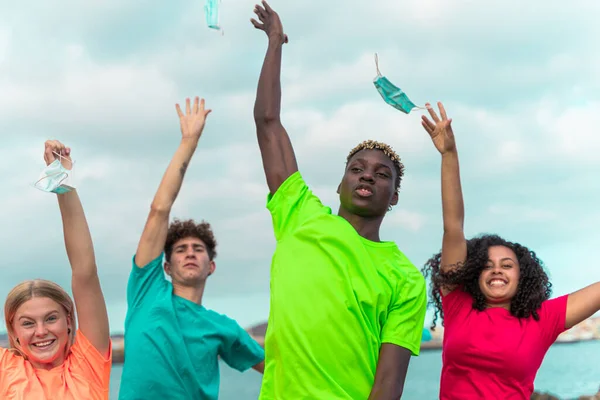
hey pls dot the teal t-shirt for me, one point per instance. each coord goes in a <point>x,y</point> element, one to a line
<point>335,298</point>
<point>172,345</point>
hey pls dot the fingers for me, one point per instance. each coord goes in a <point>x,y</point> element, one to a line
<point>267,6</point>
<point>54,149</point>
<point>179,111</point>
<point>187,106</point>
<point>432,113</point>
<point>257,25</point>
<point>261,12</point>
<point>442,111</point>
<point>196,100</point>
<point>48,156</point>
<point>427,124</point>
<point>207,112</point>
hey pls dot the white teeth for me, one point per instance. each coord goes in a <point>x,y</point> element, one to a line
<point>43,344</point>
<point>497,282</point>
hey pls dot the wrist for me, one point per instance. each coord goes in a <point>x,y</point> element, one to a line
<point>276,39</point>
<point>450,153</point>
<point>190,141</point>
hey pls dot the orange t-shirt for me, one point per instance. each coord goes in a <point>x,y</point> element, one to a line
<point>85,374</point>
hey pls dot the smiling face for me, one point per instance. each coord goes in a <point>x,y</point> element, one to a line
<point>41,327</point>
<point>190,263</point>
<point>368,186</point>
<point>499,280</point>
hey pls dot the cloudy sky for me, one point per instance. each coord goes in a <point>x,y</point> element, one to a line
<point>519,79</point>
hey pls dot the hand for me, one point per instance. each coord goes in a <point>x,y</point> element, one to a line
<point>271,23</point>
<point>53,150</point>
<point>440,132</point>
<point>192,122</point>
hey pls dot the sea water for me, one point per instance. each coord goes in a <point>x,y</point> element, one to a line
<point>568,371</point>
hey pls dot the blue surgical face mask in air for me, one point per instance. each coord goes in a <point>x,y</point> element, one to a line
<point>211,9</point>
<point>392,95</point>
<point>55,178</point>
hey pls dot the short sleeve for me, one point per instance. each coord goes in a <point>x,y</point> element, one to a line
<point>456,305</point>
<point>145,282</point>
<point>406,317</point>
<point>87,361</point>
<point>553,314</point>
<point>242,352</point>
<point>292,204</point>
<point>4,356</point>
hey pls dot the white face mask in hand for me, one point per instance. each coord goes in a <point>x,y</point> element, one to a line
<point>55,178</point>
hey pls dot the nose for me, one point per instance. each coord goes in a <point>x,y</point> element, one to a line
<point>367,177</point>
<point>41,330</point>
<point>496,270</point>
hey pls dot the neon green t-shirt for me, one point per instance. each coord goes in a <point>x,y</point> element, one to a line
<point>335,298</point>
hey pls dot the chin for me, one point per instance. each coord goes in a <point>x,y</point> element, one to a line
<point>366,212</point>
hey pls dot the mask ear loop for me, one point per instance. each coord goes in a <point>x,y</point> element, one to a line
<point>377,65</point>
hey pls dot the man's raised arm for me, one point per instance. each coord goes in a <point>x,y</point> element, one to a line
<point>276,149</point>
<point>154,236</point>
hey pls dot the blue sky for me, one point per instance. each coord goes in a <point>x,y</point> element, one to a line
<point>519,79</point>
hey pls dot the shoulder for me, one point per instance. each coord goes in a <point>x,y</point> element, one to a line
<point>409,273</point>
<point>82,348</point>
<point>221,319</point>
<point>555,306</point>
<point>9,357</point>
<point>293,189</point>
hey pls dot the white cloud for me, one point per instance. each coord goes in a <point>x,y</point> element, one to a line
<point>522,97</point>
<point>411,221</point>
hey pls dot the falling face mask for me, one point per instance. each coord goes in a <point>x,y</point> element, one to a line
<point>55,178</point>
<point>211,9</point>
<point>391,94</point>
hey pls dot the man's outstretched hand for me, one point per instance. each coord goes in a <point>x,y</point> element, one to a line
<point>269,22</point>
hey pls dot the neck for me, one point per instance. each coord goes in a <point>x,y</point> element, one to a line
<point>505,305</point>
<point>48,366</point>
<point>367,227</point>
<point>191,293</point>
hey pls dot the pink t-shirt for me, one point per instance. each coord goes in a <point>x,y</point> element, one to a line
<point>491,354</point>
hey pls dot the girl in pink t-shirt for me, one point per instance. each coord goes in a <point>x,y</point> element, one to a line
<point>494,298</point>
<point>48,358</point>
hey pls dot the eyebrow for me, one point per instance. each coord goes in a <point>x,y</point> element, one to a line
<point>503,259</point>
<point>47,315</point>
<point>193,245</point>
<point>378,165</point>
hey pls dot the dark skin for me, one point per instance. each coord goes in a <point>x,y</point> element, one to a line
<point>362,210</point>
<point>366,191</point>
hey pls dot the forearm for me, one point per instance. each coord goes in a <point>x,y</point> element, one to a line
<point>452,198</point>
<point>78,240</point>
<point>389,392</point>
<point>267,106</point>
<point>173,178</point>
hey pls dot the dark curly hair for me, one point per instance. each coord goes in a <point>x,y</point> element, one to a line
<point>388,151</point>
<point>184,229</point>
<point>533,289</point>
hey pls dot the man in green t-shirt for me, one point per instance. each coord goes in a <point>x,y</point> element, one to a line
<point>347,309</point>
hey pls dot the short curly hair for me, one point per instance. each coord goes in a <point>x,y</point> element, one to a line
<point>534,286</point>
<point>387,150</point>
<point>184,229</point>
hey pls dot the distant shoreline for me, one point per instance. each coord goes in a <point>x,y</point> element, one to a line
<point>119,354</point>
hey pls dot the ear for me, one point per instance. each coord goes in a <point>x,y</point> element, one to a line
<point>167,268</point>
<point>211,268</point>
<point>338,188</point>
<point>394,199</point>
